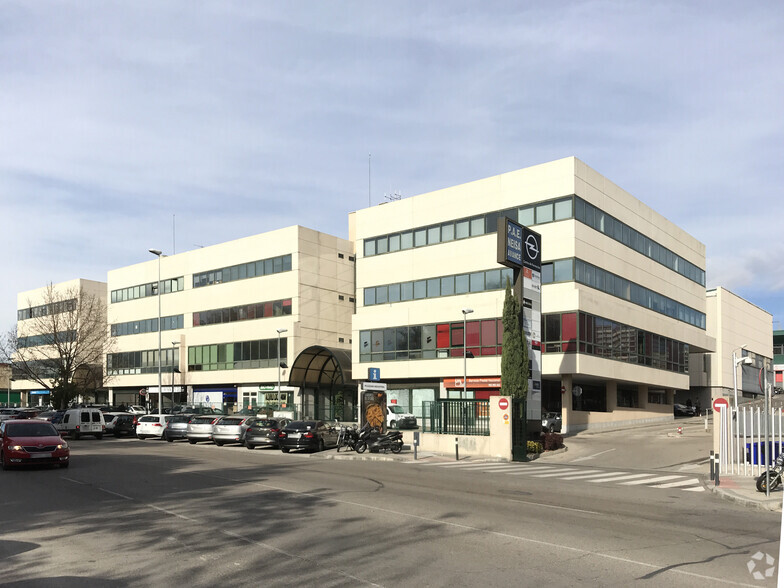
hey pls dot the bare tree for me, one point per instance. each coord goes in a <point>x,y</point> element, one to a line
<point>62,345</point>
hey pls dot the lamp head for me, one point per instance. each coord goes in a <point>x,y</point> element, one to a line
<point>468,310</point>
<point>157,252</point>
<point>282,331</point>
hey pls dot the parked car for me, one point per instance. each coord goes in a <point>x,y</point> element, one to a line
<point>125,425</point>
<point>25,442</point>
<point>398,418</point>
<point>551,422</point>
<point>177,427</point>
<point>200,428</point>
<point>231,429</point>
<point>47,415</point>
<point>309,435</point>
<point>110,418</point>
<point>264,432</point>
<point>82,421</point>
<point>137,409</point>
<point>683,410</point>
<point>151,425</point>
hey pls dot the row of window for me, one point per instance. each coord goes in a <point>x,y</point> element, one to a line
<point>482,337</point>
<point>572,269</point>
<point>47,339</point>
<point>252,269</point>
<point>537,214</point>
<point>145,290</point>
<point>242,313</point>
<point>46,309</point>
<point>584,333</point>
<point>169,323</point>
<point>494,279</point>
<point>599,220</point>
<point>553,210</point>
<point>141,362</point>
<point>261,353</point>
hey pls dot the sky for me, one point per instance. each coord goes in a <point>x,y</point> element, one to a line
<point>172,125</point>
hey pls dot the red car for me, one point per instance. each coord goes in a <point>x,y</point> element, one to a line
<point>32,442</point>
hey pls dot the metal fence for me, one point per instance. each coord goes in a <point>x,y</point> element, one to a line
<point>742,446</point>
<point>457,417</point>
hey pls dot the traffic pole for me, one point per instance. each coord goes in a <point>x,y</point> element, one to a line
<point>457,456</point>
<point>711,465</point>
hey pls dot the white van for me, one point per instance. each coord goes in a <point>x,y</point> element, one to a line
<point>82,421</point>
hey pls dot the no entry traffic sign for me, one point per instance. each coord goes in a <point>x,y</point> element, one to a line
<point>503,403</point>
<point>720,403</point>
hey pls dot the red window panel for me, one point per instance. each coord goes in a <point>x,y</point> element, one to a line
<point>569,331</point>
<point>500,338</point>
<point>195,319</point>
<point>442,336</point>
<point>267,309</point>
<point>457,335</point>
<point>488,350</point>
<point>489,331</point>
<point>287,306</point>
<point>472,335</point>
<point>456,352</point>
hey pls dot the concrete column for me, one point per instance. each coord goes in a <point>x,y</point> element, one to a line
<point>642,392</point>
<point>612,396</point>
<point>566,401</point>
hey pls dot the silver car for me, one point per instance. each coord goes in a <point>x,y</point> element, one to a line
<point>177,427</point>
<point>231,429</point>
<point>200,428</point>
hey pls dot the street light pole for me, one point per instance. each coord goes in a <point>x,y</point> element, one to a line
<point>174,348</point>
<point>466,312</point>
<point>279,333</point>
<point>159,254</point>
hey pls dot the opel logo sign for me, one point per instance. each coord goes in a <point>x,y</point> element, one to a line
<point>532,247</point>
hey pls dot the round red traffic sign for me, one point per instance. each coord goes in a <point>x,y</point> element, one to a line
<point>720,403</point>
<point>503,403</point>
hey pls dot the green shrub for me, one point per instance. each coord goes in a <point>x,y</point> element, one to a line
<point>534,447</point>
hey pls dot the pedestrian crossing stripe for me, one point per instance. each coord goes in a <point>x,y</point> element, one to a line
<point>596,476</point>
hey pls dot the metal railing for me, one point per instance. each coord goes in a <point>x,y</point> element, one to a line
<point>456,417</point>
<point>742,447</point>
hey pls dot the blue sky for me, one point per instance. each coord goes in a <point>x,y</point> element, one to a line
<point>235,118</point>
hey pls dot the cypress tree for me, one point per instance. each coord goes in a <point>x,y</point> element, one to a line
<point>514,359</point>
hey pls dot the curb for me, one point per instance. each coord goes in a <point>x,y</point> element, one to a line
<point>732,496</point>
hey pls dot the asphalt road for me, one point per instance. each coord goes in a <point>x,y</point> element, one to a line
<point>150,513</point>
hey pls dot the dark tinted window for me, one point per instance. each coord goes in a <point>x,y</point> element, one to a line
<point>31,430</point>
<point>301,425</point>
<point>204,420</point>
<point>230,421</point>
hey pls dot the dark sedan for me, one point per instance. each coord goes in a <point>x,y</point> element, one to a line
<point>264,432</point>
<point>308,435</point>
<point>26,442</point>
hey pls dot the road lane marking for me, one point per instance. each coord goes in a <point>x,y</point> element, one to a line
<point>688,482</point>
<point>553,506</point>
<point>592,456</point>
<point>115,494</point>
<point>695,489</point>
<point>541,471</point>
<point>652,481</point>
<point>618,477</point>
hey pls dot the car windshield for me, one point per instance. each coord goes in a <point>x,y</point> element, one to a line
<point>148,419</point>
<point>397,409</point>
<point>265,423</point>
<point>231,421</point>
<point>203,420</point>
<point>180,419</point>
<point>31,430</point>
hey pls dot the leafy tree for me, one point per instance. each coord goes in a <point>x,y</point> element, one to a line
<point>63,345</point>
<point>514,359</point>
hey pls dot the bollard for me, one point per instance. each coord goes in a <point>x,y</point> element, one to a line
<point>416,443</point>
<point>711,465</point>
<point>717,469</point>
<point>457,456</point>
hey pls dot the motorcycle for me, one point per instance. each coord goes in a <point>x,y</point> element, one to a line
<point>774,475</point>
<point>373,439</point>
<point>348,438</point>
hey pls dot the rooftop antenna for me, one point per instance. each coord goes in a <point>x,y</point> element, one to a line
<point>369,180</point>
<point>174,249</point>
<point>396,195</point>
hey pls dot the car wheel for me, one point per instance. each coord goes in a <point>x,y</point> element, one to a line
<point>168,438</point>
<point>192,441</point>
<point>218,443</point>
<point>249,445</point>
<point>393,424</point>
<point>99,435</point>
<point>552,429</point>
<point>140,437</point>
<point>320,445</point>
<point>284,449</point>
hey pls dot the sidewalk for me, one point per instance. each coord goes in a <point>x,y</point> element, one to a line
<point>743,490</point>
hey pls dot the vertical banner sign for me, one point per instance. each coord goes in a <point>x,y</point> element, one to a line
<point>521,249</point>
